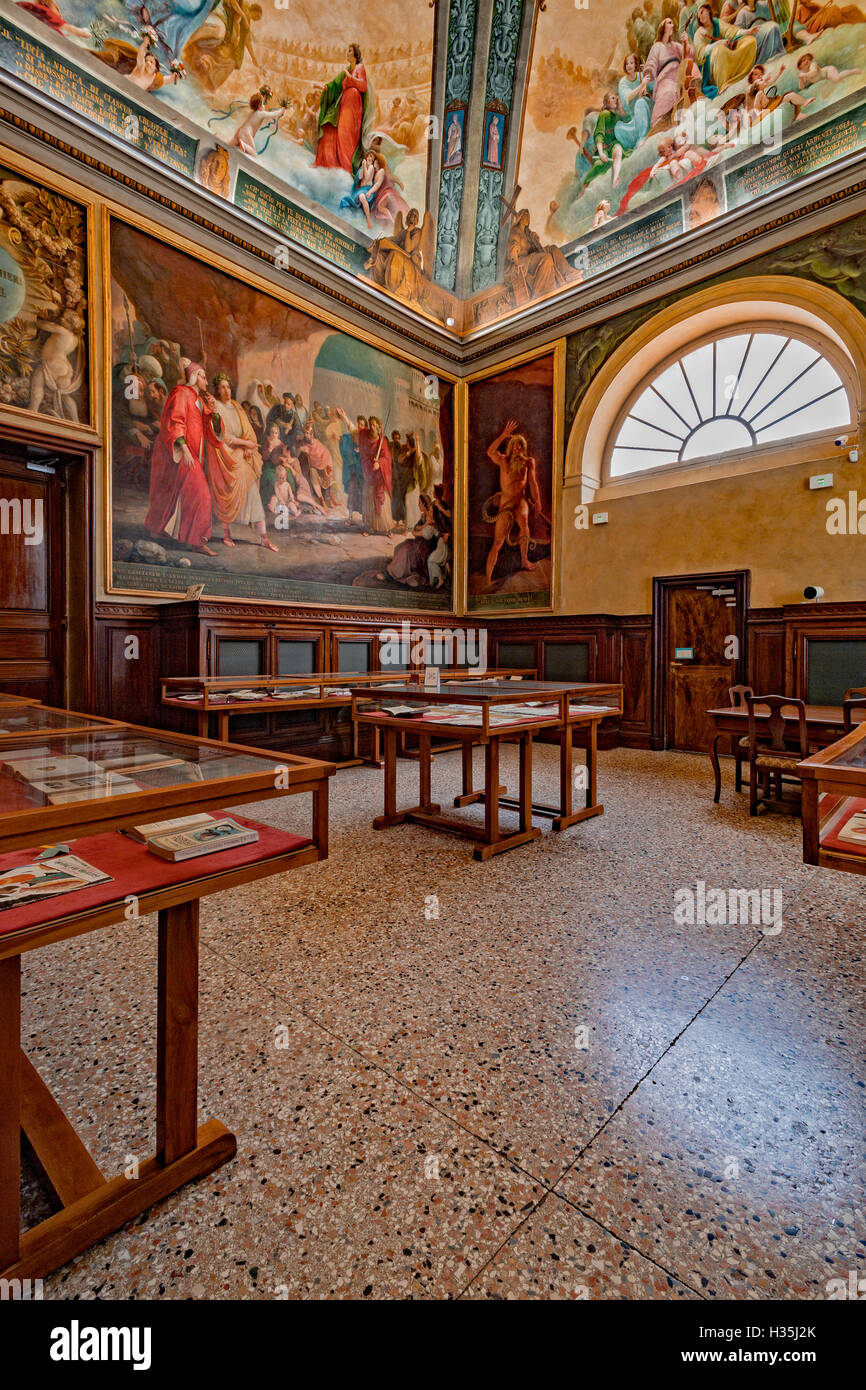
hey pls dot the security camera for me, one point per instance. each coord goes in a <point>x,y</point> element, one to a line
<point>813,591</point>
<point>841,441</point>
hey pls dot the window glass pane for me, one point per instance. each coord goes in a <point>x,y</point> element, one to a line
<point>826,414</point>
<point>672,385</point>
<point>635,431</point>
<point>742,391</point>
<point>659,407</point>
<point>730,356</point>
<point>717,437</point>
<point>698,366</point>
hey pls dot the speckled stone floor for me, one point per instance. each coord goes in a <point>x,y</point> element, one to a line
<point>518,1079</point>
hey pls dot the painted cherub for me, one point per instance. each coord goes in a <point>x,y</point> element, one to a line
<point>809,71</point>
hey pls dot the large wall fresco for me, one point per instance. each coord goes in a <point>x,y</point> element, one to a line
<point>332,101</point>
<point>646,121</point>
<point>263,453</point>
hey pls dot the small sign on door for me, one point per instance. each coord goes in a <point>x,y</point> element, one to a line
<point>684,653</point>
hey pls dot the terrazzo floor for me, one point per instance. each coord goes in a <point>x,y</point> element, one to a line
<point>517,1079</point>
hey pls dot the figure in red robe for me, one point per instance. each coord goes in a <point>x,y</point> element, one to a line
<point>376,465</point>
<point>180,499</point>
<point>342,112</point>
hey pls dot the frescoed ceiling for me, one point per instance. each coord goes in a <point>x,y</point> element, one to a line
<point>467,157</point>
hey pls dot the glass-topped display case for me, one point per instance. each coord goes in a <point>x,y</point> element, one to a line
<point>18,721</point>
<point>113,776</point>
<point>834,804</point>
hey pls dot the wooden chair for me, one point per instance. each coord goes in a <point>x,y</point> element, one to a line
<point>737,696</point>
<point>850,703</point>
<point>772,759</point>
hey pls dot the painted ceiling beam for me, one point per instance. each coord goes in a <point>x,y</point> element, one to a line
<point>460,64</point>
<point>507,70</point>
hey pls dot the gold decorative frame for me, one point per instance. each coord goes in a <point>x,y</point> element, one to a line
<point>557,351</point>
<point>216,261</point>
<point>54,182</point>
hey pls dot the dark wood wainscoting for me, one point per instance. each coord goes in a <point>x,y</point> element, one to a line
<point>788,652</point>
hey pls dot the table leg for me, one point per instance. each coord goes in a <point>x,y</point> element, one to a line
<point>566,781</point>
<point>494,840</point>
<point>223,735</point>
<point>491,792</point>
<point>177,1033</point>
<point>525,785</point>
<point>469,794</point>
<point>425,767</point>
<point>320,818</point>
<point>203,724</point>
<point>566,774</point>
<point>10,1108</point>
<point>717,769</point>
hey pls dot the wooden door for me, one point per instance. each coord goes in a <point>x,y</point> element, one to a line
<point>701,661</point>
<point>32,581</point>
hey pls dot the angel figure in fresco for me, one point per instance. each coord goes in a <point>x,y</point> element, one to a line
<point>400,262</point>
<point>173,21</point>
<point>244,138</point>
<point>509,509</point>
<point>221,45</point>
<point>55,381</point>
<point>345,115</point>
<point>140,64</point>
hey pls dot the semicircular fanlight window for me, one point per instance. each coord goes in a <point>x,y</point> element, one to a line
<point>732,394</point>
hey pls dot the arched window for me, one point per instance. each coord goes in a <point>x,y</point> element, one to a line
<point>737,391</point>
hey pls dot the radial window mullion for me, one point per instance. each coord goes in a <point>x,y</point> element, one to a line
<point>771,368</point>
<point>787,387</point>
<point>740,373</point>
<point>807,405</point>
<point>691,392</point>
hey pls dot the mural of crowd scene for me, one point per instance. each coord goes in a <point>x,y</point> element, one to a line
<point>263,453</point>
<point>628,103</point>
<point>510,473</point>
<point>334,103</point>
<point>43,301</point>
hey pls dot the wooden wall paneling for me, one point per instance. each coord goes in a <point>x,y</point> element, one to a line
<point>766,672</point>
<point>128,659</point>
<point>635,672</point>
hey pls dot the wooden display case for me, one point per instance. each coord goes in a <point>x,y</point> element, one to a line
<point>834,792</point>
<point>57,784</point>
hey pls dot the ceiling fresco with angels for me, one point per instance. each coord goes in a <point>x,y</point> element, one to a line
<point>467,174</point>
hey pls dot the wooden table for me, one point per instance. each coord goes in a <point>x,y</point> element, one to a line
<point>489,734</point>
<point>92,1205</point>
<point>323,691</point>
<point>824,724</point>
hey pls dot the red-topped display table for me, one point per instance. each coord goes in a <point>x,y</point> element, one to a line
<point>161,777</point>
